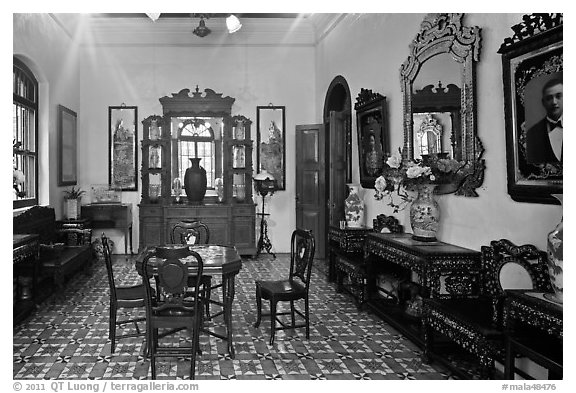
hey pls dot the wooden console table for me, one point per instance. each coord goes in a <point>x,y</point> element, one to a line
<point>111,215</point>
<point>26,270</point>
<point>346,260</point>
<point>528,311</point>
<point>439,270</point>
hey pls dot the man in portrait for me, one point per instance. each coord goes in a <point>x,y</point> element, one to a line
<point>544,139</point>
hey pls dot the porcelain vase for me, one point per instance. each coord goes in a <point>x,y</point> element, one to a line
<point>195,181</point>
<point>72,209</point>
<point>554,250</point>
<point>354,207</point>
<point>425,214</point>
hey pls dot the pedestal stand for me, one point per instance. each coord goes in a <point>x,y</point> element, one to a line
<point>264,242</point>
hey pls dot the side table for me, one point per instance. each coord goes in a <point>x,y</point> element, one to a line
<point>346,263</point>
<point>26,270</point>
<point>528,312</point>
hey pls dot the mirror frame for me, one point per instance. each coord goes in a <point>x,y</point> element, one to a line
<point>445,33</point>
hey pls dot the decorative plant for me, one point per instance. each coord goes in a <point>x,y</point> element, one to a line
<point>401,175</point>
<point>73,193</point>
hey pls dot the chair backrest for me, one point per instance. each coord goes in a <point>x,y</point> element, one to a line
<point>301,255</point>
<point>173,281</point>
<point>190,232</point>
<point>507,266</point>
<point>108,262</point>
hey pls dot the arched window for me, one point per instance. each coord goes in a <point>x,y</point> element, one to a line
<point>197,138</point>
<point>25,136</point>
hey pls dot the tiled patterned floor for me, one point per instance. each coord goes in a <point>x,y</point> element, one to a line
<point>67,338</point>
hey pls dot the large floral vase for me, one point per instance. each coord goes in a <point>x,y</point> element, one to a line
<point>354,208</point>
<point>555,257</point>
<point>425,214</point>
<point>195,181</point>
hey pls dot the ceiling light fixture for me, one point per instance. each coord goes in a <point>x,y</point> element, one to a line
<point>202,30</point>
<point>233,24</point>
<point>154,16</point>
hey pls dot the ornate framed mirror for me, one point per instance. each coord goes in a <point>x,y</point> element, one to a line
<point>444,52</point>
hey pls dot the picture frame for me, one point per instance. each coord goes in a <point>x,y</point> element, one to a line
<point>532,61</point>
<point>271,143</point>
<point>373,137</point>
<point>123,147</point>
<point>67,147</point>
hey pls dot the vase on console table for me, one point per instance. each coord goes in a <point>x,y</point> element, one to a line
<point>554,249</point>
<point>354,207</point>
<point>425,214</point>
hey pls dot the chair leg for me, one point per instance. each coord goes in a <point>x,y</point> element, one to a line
<point>293,317</point>
<point>195,349</point>
<point>258,306</point>
<point>207,292</point>
<point>112,328</point>
<point>272,321</point>
<point>154,335</point>
<point>307,317</point>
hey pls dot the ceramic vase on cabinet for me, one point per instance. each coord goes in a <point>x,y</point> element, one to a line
<point>425,214</point>
<point>354,207</point>
<point>195,181</point>
<point>72,208</point>
<point>555,257</point>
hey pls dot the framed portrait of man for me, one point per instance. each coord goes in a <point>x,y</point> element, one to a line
<point>532,64</point>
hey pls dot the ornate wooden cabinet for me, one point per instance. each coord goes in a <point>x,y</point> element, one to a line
<point>425,269</point>
<point>199,125</point>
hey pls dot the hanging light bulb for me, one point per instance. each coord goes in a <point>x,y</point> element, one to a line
<point>154,16</point>
<point>202,30</point>
<point>233,24</point>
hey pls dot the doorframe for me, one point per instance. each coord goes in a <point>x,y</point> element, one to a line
<point>337,99</point>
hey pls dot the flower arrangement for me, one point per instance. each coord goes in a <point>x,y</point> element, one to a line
<point>18,177</point>
<point>402,175</point>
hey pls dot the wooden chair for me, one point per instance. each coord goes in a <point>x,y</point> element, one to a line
<point>294,288</point>
<point>196,232</point>
<point>130,297</point>
<point>168,307</point>
<point>476,324</point>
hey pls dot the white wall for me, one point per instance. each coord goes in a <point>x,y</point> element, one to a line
<point>140,75</point>
<point>44,47</point>
<point>367,50</point>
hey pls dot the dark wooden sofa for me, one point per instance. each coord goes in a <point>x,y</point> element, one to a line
<point>57,259</point>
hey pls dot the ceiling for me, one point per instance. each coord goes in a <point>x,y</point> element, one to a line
<point>175,29</point>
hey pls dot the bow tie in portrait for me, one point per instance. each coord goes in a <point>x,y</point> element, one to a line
<point>554,124</point>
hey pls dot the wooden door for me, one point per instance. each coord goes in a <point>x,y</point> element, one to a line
<point>310,183</point>
<point>337,171</point>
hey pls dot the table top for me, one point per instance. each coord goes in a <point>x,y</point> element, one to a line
<point>406,242</point>
<point>217,259</point>
<point>20,239</point>
<point>535,299</point>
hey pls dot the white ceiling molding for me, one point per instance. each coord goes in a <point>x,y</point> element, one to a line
<point>117,31</point>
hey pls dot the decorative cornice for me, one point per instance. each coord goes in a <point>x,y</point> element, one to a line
<point>367,97</point>
<point>531,26</point>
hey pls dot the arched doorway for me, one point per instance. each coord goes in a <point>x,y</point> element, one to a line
<point>338,125</point>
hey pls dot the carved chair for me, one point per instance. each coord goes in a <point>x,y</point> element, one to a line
<point>350,266</point>
<point>294,288</point>
<point>476,323</point>
<point>168,307</point>
<point>127,297</point>
<point>197,232</point>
